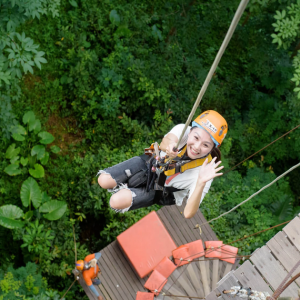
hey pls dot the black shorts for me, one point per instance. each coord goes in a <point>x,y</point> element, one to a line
<point>120,173</point>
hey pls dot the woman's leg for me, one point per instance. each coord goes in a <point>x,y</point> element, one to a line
<point>121,200</point>
<point>106,181</point>
<point>131,198</point>
<point>110,177</point>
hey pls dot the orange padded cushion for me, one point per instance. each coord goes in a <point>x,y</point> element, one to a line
<point>227,252</point>
<point>155,282</point>
<point>146,243</point>
<point>210,245</point>
<point>165,267</point>
<point>144,296</point>
<point>196,249</point>
<point>181,255</point>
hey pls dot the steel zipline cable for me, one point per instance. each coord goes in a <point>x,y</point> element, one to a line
<point>214,66</point>
<point>261,149</point>
<point>253,195</point>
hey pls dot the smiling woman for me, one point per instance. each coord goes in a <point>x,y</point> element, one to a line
<point>190,172</point>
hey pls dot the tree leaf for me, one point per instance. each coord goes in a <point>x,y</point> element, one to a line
<point>45,197</point>
<point>73,3</point>
<point>55,149</point>
<point>28,215</point>
<point>46,137</point>
<point>12,170</point>
<point>30,192</point>
<point>18,133</point>
<point>39,151</point>
<point>114,17</point>
<point>18,137</point>
<point>35,125</point>
<point>28,117</point>
<point>8,215</point>
<point>24,161</point>
<point>37,172</point>
<point>12,151</point>
<point>15,160</point>
<point>54,209</point>
<point>45,159</point>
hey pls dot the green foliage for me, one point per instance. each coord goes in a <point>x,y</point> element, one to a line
<point>28,136</point>
<point>25,283</point>
<point>8,215</point>
<point>125,73</point>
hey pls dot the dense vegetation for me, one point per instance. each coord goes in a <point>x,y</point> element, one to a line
<point>87,84</point>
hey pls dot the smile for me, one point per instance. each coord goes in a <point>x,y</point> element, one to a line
<point>193,152</point>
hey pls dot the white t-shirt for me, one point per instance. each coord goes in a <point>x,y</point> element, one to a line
<point>186,181</point>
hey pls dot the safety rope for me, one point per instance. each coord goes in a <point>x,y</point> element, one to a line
<point>282,287</point>
<point>253,195</point>
<point>68,289</point>
<point>74,243</point>
<point>213,68</point>
<point>261,149</point>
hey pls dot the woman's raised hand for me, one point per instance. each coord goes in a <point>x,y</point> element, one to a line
<point>209,171</point>
<point>170,150</point>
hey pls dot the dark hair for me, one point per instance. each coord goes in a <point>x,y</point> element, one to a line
<point>215,152</point>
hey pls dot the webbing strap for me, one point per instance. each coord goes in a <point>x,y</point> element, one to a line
<point>190,165</point>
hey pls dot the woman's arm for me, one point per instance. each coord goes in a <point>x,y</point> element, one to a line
<point>169,139</point>
<point>206,173</point>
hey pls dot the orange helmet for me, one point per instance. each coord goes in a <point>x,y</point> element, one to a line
<point>79,265</point>
<point>214,124</point>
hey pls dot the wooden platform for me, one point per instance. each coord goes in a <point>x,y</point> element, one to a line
<point>267,266</point>
<point>120,282</point>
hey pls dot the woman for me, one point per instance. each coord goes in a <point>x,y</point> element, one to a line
<point>191,176</point>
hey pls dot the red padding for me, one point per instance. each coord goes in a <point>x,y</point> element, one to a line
<point>155,282</point>
<point>182,252</point>
<point>144,296</point>
<point>165,267</point>
<point>229,251</point>
<point>146,243</point>
<point>196,249</point>
<point>210,245</point>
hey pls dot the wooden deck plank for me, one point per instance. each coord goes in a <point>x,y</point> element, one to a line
<point>105,279</point>
<point>104,292</point>
<point>292,230</point>
<point>183,224</point>
<point>175,226</point>
<point>114,284</point>
<point>122,282</point>
<point>272,270</point>
<point>215,275</point>
<point>248,276</point>
<point>225,284</point>
<point>194,275</point>
<point>169,228</point>
<point>127,265</point>
<point>180,278</point>
<point>131,284</point>
<point>285,252</point>
<point>172,288</point>
<point>213,295</point>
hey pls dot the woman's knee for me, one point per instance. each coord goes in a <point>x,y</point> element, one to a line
<point>121,199</point>
<point>106,181</point>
